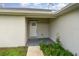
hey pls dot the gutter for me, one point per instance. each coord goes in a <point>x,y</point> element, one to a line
<point>31,13</point>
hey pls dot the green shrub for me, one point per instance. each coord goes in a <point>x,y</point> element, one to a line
<point>54,49</point>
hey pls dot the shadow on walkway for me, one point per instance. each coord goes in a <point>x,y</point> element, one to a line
<point>36,41</point>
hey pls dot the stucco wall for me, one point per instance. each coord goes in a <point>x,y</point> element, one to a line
<point>12,31</point>
<point>43,30</point>
<point>67,27</point>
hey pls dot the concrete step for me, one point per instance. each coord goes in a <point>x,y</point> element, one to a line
<point>34,51</point>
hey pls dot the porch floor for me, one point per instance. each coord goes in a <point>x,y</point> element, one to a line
<point>37,41</point>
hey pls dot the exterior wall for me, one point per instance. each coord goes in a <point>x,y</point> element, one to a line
<point>12,31</point>
<point>42,30</point>
<point>67,27</point>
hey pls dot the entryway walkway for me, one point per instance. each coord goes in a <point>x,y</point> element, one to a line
<point>34,48</point>
<point>34,51</point>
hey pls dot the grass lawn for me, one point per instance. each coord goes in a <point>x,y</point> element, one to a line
<point>13,51</point>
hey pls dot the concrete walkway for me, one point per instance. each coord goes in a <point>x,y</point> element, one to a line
<point>34,48</point>
<point>34,51</point>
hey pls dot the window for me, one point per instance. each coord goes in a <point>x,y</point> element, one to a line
<point>33,24</point>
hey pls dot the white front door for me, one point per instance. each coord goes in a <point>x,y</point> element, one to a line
<point>33,29</point>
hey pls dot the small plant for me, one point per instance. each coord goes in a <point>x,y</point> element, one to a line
<point>54,49</point>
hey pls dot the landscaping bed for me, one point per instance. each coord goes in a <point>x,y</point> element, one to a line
<point>54,49</point>
<point>13,51</point>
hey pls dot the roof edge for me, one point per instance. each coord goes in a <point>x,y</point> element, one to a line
<point>27,9</point>
<point>69,7</point>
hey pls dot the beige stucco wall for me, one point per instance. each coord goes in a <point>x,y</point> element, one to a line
<point>67,27</point>
<point>43,30</point>
<point>12,31</point>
